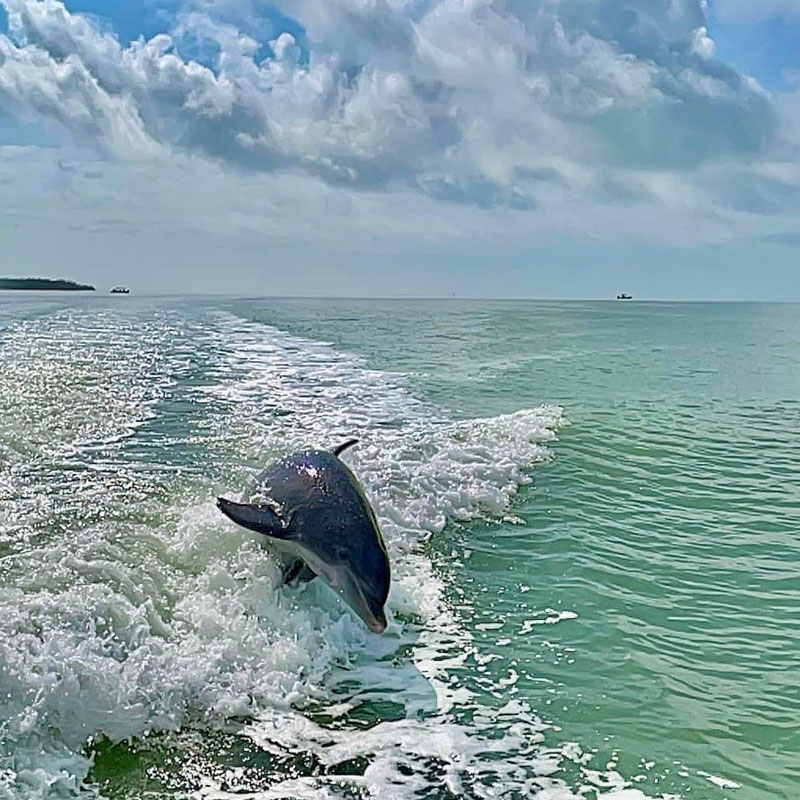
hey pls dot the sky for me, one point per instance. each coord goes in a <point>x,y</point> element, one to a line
<point>468,148</point>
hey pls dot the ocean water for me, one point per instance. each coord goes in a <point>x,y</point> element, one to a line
<point>592,511</point>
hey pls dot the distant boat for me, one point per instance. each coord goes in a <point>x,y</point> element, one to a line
<point>120,290</point>
<point>623,296</point>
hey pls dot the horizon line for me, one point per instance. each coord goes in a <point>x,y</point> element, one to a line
<point>399,298</point>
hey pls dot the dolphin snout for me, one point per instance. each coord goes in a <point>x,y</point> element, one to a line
<point>358,591</point>
<point>377,624</point>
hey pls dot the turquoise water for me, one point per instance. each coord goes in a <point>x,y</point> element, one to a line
<point>593,512</point>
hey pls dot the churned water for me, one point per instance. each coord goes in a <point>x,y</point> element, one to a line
<point>592,511</point>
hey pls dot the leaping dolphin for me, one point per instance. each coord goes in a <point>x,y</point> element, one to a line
<point>320,522</point>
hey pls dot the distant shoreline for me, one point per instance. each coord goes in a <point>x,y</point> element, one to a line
<point>43,284</point>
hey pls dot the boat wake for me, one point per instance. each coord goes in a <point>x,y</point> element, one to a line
<point>131,611</point>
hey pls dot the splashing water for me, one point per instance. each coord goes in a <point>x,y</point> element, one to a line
<point>130,607</point>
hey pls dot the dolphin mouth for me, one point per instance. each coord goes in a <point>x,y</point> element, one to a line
<point>351,590</point>
<point>376,624</point>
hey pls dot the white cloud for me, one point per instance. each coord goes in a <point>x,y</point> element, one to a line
<point>34,85</point>
<point>519,103</point>
<point>702,43</point>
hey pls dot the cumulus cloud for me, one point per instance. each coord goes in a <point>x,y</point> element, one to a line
<point>491,102</point>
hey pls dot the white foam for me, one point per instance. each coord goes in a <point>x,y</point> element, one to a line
<point>146,610</point>
<point>552,617</point>
<point>722,783</point>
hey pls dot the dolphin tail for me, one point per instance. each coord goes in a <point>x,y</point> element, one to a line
<point>259,518</point>
<point>337,451</point>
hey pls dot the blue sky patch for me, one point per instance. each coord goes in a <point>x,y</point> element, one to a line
<point>129,19</point>
<point>767,49</point>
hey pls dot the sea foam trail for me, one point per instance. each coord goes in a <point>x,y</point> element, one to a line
<point>132,607</point>
<point>420,468</point>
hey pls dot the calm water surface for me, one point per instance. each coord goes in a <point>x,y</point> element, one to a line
<point>593,512</point>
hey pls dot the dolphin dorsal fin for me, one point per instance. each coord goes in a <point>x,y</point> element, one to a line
<point>337,451</point>
<point>260,518</point>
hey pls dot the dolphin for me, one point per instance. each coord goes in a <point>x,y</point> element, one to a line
<point>319,522</point>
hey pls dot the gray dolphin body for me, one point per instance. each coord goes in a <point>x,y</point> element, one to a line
<point>319,522</point>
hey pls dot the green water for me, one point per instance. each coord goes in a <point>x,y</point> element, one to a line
<point>630,622</point>
<point>670,520</point>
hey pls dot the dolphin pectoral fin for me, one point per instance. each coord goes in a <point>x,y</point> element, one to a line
<point>260,518</point>
<point>297,571</point>
<point>337,451</point>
